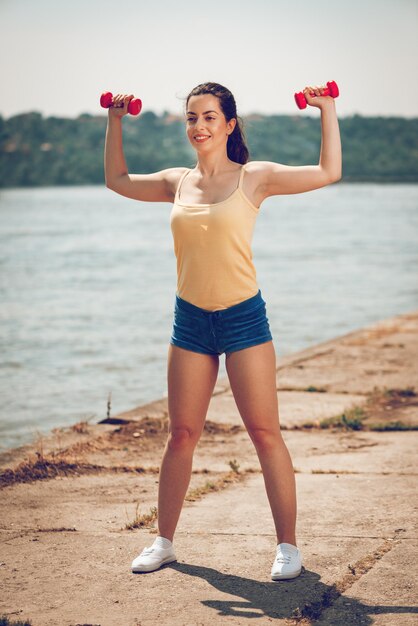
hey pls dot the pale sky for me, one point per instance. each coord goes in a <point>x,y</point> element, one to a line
<point>58,57</point>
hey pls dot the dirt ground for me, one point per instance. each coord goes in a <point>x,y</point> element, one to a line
<point>79,504</point>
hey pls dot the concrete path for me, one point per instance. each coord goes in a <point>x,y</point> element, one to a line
<point>65,553</point>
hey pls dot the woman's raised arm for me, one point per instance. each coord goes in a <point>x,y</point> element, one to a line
<point>277,179</point>
<point>156,187</point>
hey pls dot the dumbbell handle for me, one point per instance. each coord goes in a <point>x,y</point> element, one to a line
<point>134,106</point>
<point>330,90</point>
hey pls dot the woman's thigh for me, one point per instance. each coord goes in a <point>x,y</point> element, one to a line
<point>252,375</point>
<point>191,378</point>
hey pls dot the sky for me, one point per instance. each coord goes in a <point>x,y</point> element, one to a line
<point>58,57</point>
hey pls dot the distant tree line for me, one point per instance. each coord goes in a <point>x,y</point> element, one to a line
<point>38,151</point>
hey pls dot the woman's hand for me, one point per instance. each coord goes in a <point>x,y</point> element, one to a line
<point>120,104</point>
<point>318,102</point>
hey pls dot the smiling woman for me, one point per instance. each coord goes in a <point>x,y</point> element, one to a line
<point>218,306</point>
<point>221,118</point>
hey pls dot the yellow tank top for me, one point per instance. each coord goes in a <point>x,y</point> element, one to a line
<point>212,245</point>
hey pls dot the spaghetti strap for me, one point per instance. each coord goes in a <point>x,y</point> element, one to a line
<point>241,176</point>
<point>182,177</point>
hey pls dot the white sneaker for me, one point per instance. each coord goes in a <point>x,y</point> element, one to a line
<point>288,562</point>
<point>152,557</point>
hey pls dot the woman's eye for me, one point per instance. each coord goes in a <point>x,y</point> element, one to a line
<point>191,119</point>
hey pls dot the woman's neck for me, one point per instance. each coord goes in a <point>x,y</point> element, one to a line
<point>211,165</point>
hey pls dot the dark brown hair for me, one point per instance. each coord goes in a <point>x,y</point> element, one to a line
<point>236,147</point>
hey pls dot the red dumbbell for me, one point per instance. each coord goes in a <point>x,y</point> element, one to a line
<point>331,90</point>
<point>134,106</point>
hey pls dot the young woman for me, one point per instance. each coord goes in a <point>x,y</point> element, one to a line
<point>218,306</point>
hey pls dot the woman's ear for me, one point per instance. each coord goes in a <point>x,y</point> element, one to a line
<point>231,125</point>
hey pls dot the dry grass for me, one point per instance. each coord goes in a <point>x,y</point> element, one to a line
<point>224,481</point>
<point>81,427</point>
<point>233,476</point>
<point>331,471</point>
<point>51,466</point>
<point>145,520</point>
<point>5,621</point>
<point>71,459</point>
<point>374,415</point>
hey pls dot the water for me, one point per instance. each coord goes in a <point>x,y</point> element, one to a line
<point>87,286</point>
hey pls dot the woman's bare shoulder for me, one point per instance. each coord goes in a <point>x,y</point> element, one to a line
<point>173,176</point>
<point>255,172</point>
<point>256,168</point>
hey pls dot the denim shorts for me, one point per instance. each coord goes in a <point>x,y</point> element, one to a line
<point>226,330</point>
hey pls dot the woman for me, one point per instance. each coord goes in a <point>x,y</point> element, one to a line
<point>218,305</point>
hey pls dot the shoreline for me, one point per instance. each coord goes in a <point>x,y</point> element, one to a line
<point>158,408</point>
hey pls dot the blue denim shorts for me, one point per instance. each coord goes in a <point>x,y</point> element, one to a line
<point>226,330</point>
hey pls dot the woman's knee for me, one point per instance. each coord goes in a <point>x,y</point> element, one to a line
<point>182,438</point>
<point>265,438</point>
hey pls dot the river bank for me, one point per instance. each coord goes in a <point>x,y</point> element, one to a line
<point>79,504</point>
<point>88,287</point>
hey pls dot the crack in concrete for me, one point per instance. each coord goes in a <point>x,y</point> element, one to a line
<point>331,471</point>
<point>322,391</point>
<point>215,533</point>
<point>187,533</point>
<point>311,612</point>
<point>53,469</point>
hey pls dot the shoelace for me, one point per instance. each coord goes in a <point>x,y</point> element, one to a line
<point>283,557</point>
<point>148,550</point>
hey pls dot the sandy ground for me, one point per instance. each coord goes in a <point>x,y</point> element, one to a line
<point>74,505</point>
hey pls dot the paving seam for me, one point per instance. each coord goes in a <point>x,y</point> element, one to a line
<point>311,612</point>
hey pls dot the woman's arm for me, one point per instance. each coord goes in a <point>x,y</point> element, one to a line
<point>157,187</point>
<point>276,179</point>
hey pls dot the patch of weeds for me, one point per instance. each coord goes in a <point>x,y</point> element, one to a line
<point>383,403</point>
<point>43,468</point>
<point>233,464</point>
<point>61,529</point>
<point>5,621</point>
<point>215,428</point>
<point>379,395</point>
<point>397,425</point>
<point>51,466</point>
<point>330,422</point>
<point>331,471</point>
<point>378,403</point>
<point>221,483</point>
<point>408,392</point>
<point>143,521</point>
<point>81,427</point>
<point>317,389</point>
<point>207,487</point>
<point>349,420</point>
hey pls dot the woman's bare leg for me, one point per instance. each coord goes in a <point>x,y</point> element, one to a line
<point>252,375</point>
<point>191,379</point>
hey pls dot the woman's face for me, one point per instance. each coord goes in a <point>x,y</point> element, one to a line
<point>206,125</point>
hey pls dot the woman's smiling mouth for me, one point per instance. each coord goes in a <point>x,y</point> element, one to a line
<point>201,138</point>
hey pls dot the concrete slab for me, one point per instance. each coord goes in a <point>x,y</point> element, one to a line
<point>225,546</point>
<point>383,355</point>
<point>295,407</point>
<point>383,596</point>
<point>356,506</point>
<point>357,452</point>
